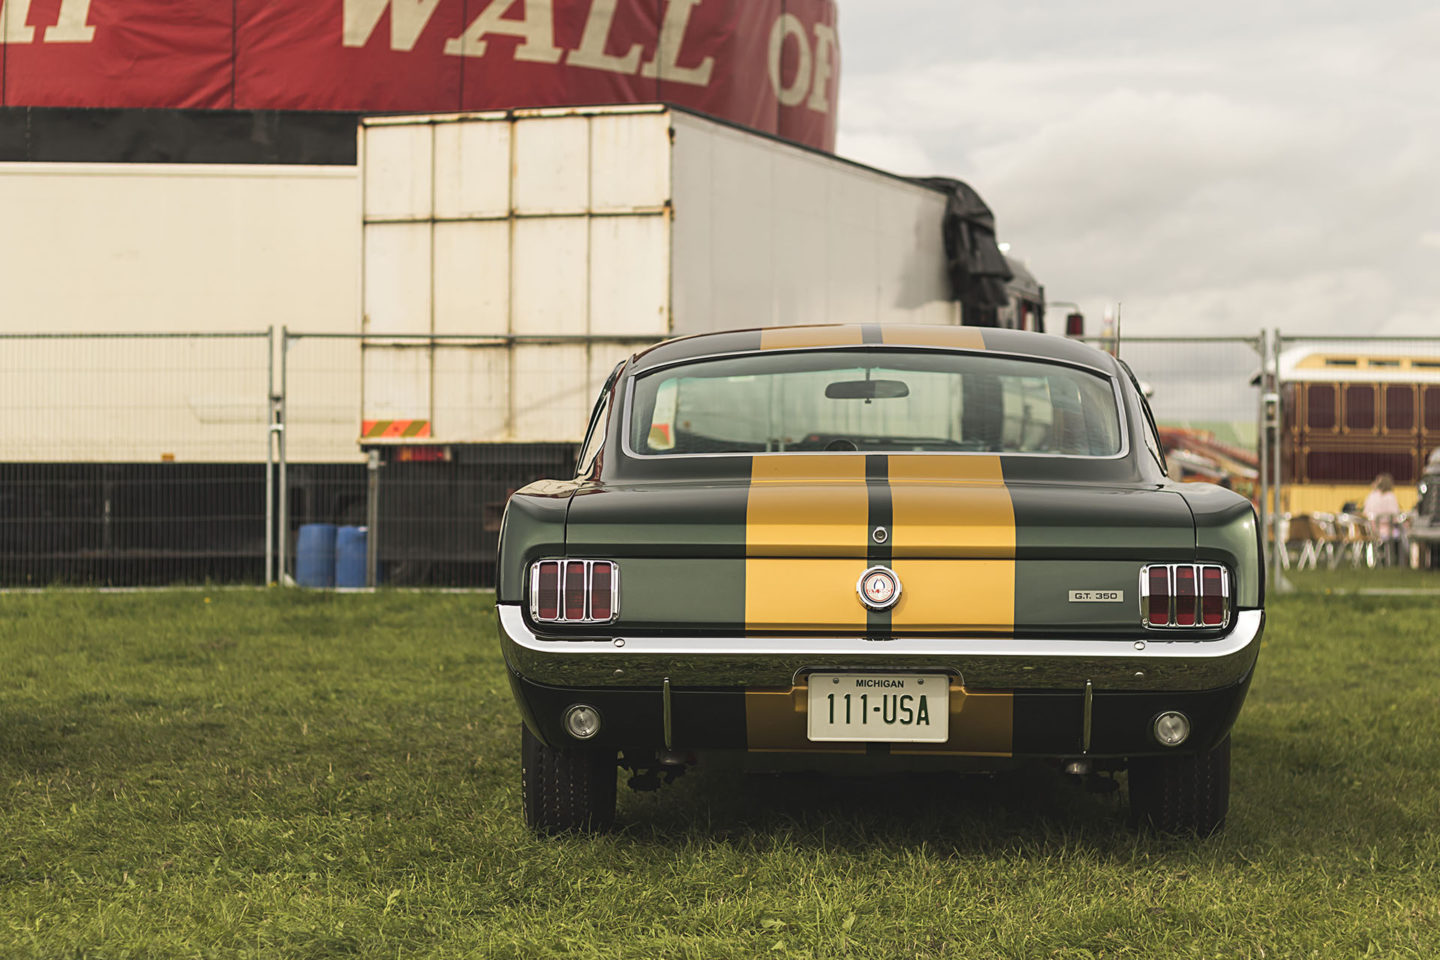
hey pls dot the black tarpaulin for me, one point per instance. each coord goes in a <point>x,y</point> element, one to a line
<point>976,267</point>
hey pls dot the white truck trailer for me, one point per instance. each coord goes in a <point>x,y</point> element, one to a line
<point>555,242</point>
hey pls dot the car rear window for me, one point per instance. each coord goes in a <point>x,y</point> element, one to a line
<point>874,401</point>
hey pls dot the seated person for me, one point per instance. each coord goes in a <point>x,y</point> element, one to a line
<point>1382,509</point>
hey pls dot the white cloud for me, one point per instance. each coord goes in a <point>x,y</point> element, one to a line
<point>1295,303</point>
<point>1216,179</point>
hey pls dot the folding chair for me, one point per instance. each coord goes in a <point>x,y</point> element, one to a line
<point>1357,540</point>
<point>1316,535</point>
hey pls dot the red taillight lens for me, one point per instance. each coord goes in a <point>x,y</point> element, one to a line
<point>601,593</point>
<point>1198,593</point>
<point>1185,594</point>
<point>1157,609</point>
<point>574,591</point>
<point>1215,593</point>
<point>546,590</point>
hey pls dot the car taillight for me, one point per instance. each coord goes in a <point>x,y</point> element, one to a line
<point>601,592</point>
<point>1215,596</point>
<point>545,590</point>
<point>1156,591</point>
<point>1184,595</point>
<point>574,591</point>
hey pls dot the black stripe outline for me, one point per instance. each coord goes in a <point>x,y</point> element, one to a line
<point>881,514</point>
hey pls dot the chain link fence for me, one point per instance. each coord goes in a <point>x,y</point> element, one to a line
<point>420,440</point>
<point>149,459</point>
<point>1204,393</point>
<point>133,459</point>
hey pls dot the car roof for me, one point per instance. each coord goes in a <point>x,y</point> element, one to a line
<point>901,335</point>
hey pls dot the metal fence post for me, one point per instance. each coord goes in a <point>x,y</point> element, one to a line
<point>284,522</point>
<point>1277,557</point>
<point>270,432</point>
<point>372,518</point>
<point>1262,431</point>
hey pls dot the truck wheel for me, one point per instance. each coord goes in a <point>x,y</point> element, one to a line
<point>566,789</point>
<point>1183,794</point>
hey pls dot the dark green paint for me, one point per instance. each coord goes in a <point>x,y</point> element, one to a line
<point>1042,596</point>
<point>1066,521</point>
<point>533,527</point>
<point>683,595</point>
<point>697,347</point>
<point>675,519</point>
<point>1225,532</point>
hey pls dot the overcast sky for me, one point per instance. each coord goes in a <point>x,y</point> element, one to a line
<point>1217,167</point>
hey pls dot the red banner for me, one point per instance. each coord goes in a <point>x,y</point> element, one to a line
<point>772,65</point>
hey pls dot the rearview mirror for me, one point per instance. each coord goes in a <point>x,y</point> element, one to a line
<point>867,389</point>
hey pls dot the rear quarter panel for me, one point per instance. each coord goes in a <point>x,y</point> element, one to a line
<point>1226,532</point>
<point>533,527</point>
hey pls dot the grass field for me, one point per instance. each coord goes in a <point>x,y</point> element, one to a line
<point>306,775</point>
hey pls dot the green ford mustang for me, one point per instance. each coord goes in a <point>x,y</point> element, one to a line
<point>901,545</point>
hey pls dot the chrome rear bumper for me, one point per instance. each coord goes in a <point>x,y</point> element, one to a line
<point>979,663</point>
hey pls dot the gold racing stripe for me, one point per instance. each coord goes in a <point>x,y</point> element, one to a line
<point>952,537</point>
<point>953,543</point>
<point>775,721</point>
<point>826,335</point>
<point>925,335</point>
<point>950,505</point>
<point>952,540</point>
<point>981,724</point>
<point>805,534</point>
<point>848,335</point>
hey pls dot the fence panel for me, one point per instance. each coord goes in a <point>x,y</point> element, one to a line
<point>137,460</point>
<point>1205,398</point>
<point>422,439</point>
<point>133,459</point>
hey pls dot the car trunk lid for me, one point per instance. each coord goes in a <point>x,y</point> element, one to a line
<point>783,550</point>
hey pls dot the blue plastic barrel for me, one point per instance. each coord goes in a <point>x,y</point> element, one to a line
<point>350,556</point>
<point>315,555</point>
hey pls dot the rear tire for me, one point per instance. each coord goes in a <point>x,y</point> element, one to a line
<point>566,789</point>
<point>1182,794</point>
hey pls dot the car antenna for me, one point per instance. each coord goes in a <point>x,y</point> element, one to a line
<point>1119,306</point>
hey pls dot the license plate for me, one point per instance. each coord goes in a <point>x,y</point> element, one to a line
<point>885,707</point>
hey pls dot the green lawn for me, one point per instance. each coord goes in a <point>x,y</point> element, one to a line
<point>305,775</point>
